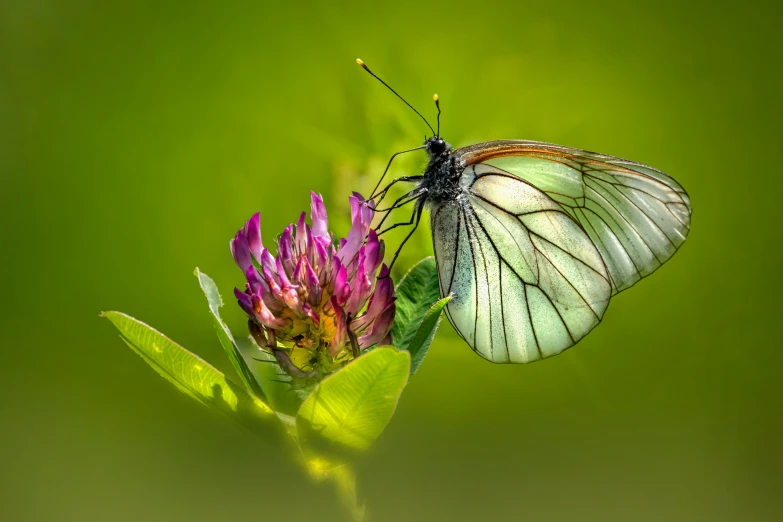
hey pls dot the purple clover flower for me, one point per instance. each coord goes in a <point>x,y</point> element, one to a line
<point>324,301</point>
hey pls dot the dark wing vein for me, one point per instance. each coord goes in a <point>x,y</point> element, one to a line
<point>630,225</point>
<point>626,198</point>
<point>566,252</point>
<point>614,232</point>
<point>434,220</point>
<point>600,240</point>
<point>510,234</point>
<point>530,318</point>
<point>502,308</point>
<point>537,251</point>
<point>486,278</point>
<point>456,251</point>
<point>475,282</point>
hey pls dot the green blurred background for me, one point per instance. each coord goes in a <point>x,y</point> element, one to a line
<point>136,137</point>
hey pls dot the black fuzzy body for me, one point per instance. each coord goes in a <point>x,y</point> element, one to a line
<point>441,177</point>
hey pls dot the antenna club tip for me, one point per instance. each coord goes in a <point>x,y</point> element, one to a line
<point>360,62</point>
<point>435,98</point>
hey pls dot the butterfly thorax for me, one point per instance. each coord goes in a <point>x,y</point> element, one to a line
<point>441,177</point>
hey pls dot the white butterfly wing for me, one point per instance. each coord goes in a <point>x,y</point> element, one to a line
<point>527,281</point>
<point>636,216</point>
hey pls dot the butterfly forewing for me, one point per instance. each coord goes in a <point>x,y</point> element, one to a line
<point>635,215</point>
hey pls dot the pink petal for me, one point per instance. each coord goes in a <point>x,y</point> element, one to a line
<point>311,253</point>
<point>378,329</point>
<point>298,273</point>
<point>308,310</point>
<point>361,217</point>
<point>274,287</point>
<point>381,299</point>
<point>320,253</point>
<point>281,273</point>
<point>288,290</point>
<point>374,251</point>
<point>245,302</point>
<point>253,278</point>
<point>301,235</point>
<point>336,268</point>
<point>342,291</point>
<point>322,265</point>
<point>313,285</point>
<point>285,247</point>
<point>268,262</point>
<point>318,216</point>
<point>241,251</point>
<point>264,316</point>
<point>253,234</point>
<point>361,286</point>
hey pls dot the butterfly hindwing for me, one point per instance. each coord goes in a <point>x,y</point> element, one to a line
<point>526,280</point>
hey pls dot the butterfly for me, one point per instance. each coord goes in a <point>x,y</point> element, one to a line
<point>532,240</point>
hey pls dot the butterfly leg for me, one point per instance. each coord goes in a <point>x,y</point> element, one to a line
<point>385,191</point>
<point>417,211</point>
<point>400,202</point>
<point>389,165</point>
<point>400,224</point>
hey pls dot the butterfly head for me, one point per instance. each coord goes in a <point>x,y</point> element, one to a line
<point>436,146</point>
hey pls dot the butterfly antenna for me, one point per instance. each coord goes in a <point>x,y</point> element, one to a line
<point>437,104</point>
<point>364,66</point>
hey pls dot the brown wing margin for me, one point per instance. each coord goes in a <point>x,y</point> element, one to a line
<point>481,152</point>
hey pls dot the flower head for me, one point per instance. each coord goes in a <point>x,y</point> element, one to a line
<point>322,300</point>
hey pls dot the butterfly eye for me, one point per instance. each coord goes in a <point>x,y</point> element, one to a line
<point>436,145</point>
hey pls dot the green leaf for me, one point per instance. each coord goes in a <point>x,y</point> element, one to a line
<point>426,333</point>
<point>416,292</point>
<point>418,310</point>
<point>353,406</point>
<point>224,334</point>
<point>194,376</point>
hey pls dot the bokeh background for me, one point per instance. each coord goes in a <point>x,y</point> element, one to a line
<point>137,136</point>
